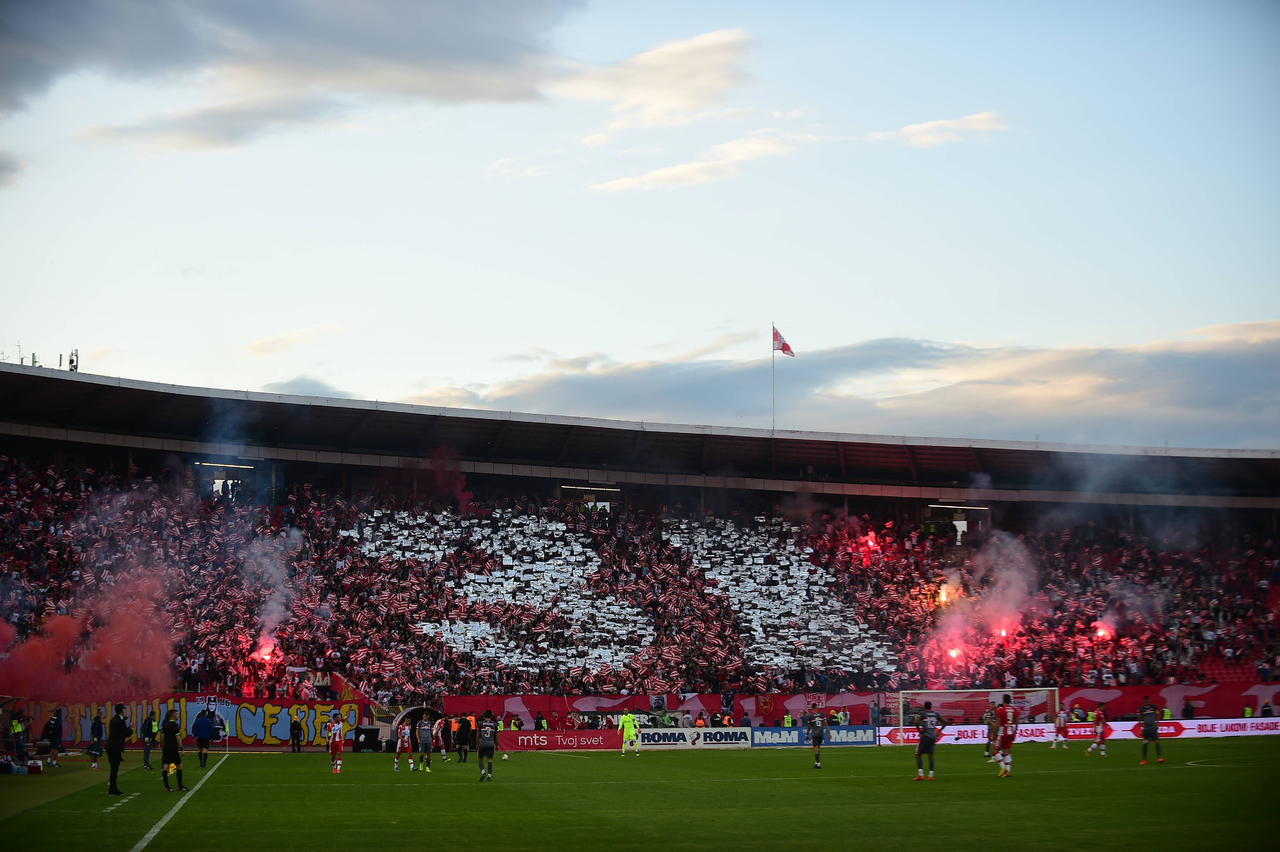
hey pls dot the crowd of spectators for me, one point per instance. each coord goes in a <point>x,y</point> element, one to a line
<point>1102,606</point>
<point>411,599</point>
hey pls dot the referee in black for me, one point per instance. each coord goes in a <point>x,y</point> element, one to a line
<point>462,738</point>
<point>171,751</point>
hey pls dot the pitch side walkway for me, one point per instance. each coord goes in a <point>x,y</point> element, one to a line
<point>21,792</point>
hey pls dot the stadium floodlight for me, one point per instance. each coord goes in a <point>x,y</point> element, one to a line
<point>959,705</point>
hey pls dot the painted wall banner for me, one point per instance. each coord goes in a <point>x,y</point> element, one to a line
<point>1042,733</point>
<point>1225,700</point>
<point>761,710</point>
<point>259,722</point>
<point>676,738</point>
<point>841,735</point>
<point>559,740</point>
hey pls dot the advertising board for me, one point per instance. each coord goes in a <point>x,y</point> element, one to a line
<point>680,738</point>
<point>841,735</point>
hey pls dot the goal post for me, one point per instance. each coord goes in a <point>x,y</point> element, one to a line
<point>966,706</point>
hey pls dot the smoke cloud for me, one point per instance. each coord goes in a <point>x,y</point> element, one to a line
<point>1003,580</point>
<point>122,647</point>
<point>266,566</point>
<point>451,484</point>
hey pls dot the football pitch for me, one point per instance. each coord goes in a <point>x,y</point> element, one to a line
<point>1209,794</point>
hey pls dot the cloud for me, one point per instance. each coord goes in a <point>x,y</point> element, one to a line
<point>225,125</point>
<point>727,160</point>
<point>724,161</point>
<point>306,386</point>
<point>720,344</point>
<point>672,84</point>
<point>582,363</point>
<point>280,342</point>
<point>930,134</point>
<point>1213,387</point>
<point>263,67</point>
<point>279,64</point>
<point>10,168</point>
<point>533,353</point>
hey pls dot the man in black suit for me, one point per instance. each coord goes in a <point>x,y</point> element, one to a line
<point>295,734</point>
<point>118,732</point>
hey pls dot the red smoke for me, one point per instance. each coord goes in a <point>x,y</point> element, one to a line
<point>123,649</point>
<point>450,483</point>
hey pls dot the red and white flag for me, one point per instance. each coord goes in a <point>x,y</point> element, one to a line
<point>781,345</point>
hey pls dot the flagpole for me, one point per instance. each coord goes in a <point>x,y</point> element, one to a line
<point>773,380</point>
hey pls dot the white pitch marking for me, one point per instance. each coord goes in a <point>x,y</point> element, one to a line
<point>155,829</point>
<point>126,799</point>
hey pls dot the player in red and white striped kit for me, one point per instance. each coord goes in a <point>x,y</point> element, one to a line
<point>437,739</point>
<point>1060,729</point>
<point>404,744</point>
<point>1099,731</point>
<point>1007,723</point>
<point>334,731</point>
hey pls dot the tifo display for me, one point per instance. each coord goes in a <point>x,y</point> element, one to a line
<point>135,584</point>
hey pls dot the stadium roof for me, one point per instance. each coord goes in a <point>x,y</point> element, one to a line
<point>56,405</point>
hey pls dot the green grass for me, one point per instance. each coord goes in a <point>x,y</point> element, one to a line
<point>18,793</point>
<point>1210,794</point>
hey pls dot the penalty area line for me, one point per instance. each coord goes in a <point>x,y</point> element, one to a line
<point>155,829</point>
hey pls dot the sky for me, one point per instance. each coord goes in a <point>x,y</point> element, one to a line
<point>988,220</point>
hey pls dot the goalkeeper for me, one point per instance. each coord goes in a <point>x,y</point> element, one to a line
<point>630,732</point>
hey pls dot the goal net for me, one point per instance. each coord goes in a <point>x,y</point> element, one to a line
<point>966,706</point>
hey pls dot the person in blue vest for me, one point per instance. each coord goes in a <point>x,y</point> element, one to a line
<point>202,730</point>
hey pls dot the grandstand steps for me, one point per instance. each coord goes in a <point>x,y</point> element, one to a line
<point>1228,672</point>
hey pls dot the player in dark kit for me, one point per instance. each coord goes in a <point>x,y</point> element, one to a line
<point>423,731</point>
<point>929,725</point>
<point>993,730</point>
<point>1149,716</point>
<point>171,750</point>
<point>817,727</point>
<point>462,738</point>
<point>486,742</point>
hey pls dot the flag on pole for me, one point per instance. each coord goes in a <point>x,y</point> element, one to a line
<point>781,345</point>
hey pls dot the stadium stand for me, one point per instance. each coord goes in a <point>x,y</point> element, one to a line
<point>410,599</point>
